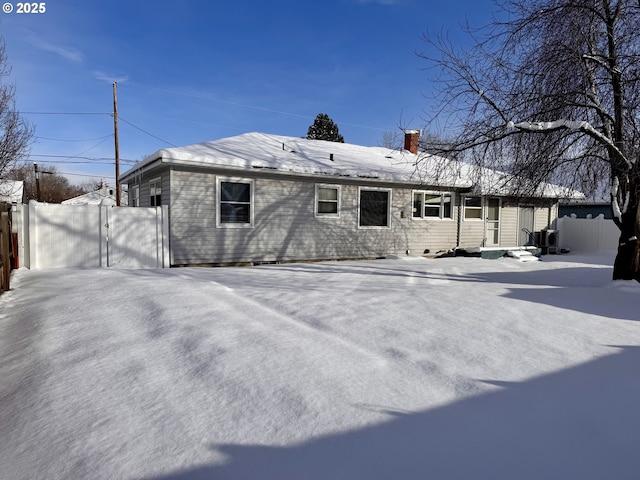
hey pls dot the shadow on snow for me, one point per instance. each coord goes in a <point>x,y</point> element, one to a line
<point>577,423</point>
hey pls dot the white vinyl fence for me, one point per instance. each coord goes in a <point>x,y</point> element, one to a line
<point>584,235</point>
<point>60,236</point>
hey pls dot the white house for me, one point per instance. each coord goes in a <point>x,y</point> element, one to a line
<point>258,198</point>
<point>98,197</point>
<point>12,191</point>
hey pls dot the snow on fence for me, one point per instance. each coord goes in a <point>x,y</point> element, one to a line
<point>584,235</point>
<point>60,236</point>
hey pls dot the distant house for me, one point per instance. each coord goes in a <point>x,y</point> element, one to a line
<point>585,209</point>
<point>12,191</point>
<point>258,198</point>
<point>98,197</point>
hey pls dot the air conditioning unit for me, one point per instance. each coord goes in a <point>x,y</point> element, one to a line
<point>550,241</point>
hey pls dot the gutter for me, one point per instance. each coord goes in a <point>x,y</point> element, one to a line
<point>140,170</point>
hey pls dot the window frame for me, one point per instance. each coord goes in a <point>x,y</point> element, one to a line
<point>441,206</point>
<point>135,196</point>
<point>157,182</point>
<point>474,208</point>
<point>249,181</point>
<point>317,200</point>
<point>389,202</point>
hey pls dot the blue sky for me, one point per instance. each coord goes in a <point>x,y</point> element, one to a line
<point>195,70</point>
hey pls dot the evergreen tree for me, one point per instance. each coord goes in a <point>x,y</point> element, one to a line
<point>324,128</point>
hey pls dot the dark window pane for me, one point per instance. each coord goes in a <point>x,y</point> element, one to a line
<point>234,213</point>
<point>155,193</point>
<point>374,208</point>
<point>417,204</point>
<point>235,192</point>
<point>473,202</point>
<point>327,207</point>
<point>432,211</point>
<point>446,207</point>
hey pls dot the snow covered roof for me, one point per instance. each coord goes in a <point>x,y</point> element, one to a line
<point>294,155</point>
<point>494,182</point>
<point>97,197</point>
<point>323,159</point>
<point>11,191</point>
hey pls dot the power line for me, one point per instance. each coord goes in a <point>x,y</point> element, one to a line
<point>81,175</point>
<point>236,104</point>
<point>65,113</point>
<point>91,148</point>
<point>92,159</point>
<point>73,141</point>
<point>144,131</point>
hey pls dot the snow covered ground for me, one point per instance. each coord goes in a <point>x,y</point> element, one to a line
<point>455,368</point>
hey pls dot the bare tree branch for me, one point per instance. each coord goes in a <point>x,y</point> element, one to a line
<point>549,92</point>
<point>15,133</point>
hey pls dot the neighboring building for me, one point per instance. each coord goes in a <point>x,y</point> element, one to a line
<point>265,198</point>
<point>98,197</point>
<point>12,191</point>
<point>585,209</point>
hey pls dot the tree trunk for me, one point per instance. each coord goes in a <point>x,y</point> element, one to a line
<point>627,263</point>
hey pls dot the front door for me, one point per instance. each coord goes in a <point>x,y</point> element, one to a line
<point>492,222</point>
<point>525,221</point>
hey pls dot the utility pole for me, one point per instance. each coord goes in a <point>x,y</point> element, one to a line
<point>35,168</point>
<point>115,136</point>
<point>38,172</point>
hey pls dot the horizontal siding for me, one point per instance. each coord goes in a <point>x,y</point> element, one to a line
<point>471,233</point>
<point>143,183</point>
<point>285,227</point>
<point>541,218</point>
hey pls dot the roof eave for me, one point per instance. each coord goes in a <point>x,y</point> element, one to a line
<point>239,170</point>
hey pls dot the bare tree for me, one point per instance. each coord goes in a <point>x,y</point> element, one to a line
<point>15,133</point>
<point>550,92</point>
<point>54,187</point>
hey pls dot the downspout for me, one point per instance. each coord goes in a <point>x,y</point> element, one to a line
<point>459,226</point>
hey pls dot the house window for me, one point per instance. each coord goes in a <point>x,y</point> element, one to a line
<point>135,196</point>
<point>473,208</point>
<point>155,192</point>
<point>432,205</point>
<point>327,200</point>
<point>375,208</point>
<point>235,202</point>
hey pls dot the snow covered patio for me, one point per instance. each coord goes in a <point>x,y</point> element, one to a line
<point>454,368</point>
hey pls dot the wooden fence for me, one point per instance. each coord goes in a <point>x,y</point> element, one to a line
<point>5,256</point>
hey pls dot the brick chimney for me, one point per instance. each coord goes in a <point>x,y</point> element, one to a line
<point>411,138</point>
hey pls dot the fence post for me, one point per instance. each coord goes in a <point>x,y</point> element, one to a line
<point>5,237</point>
<point>560,228</point>
<point>103,235</point>
<point>166,261</point>
<point>23,235</point>
<point>33,234</point>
